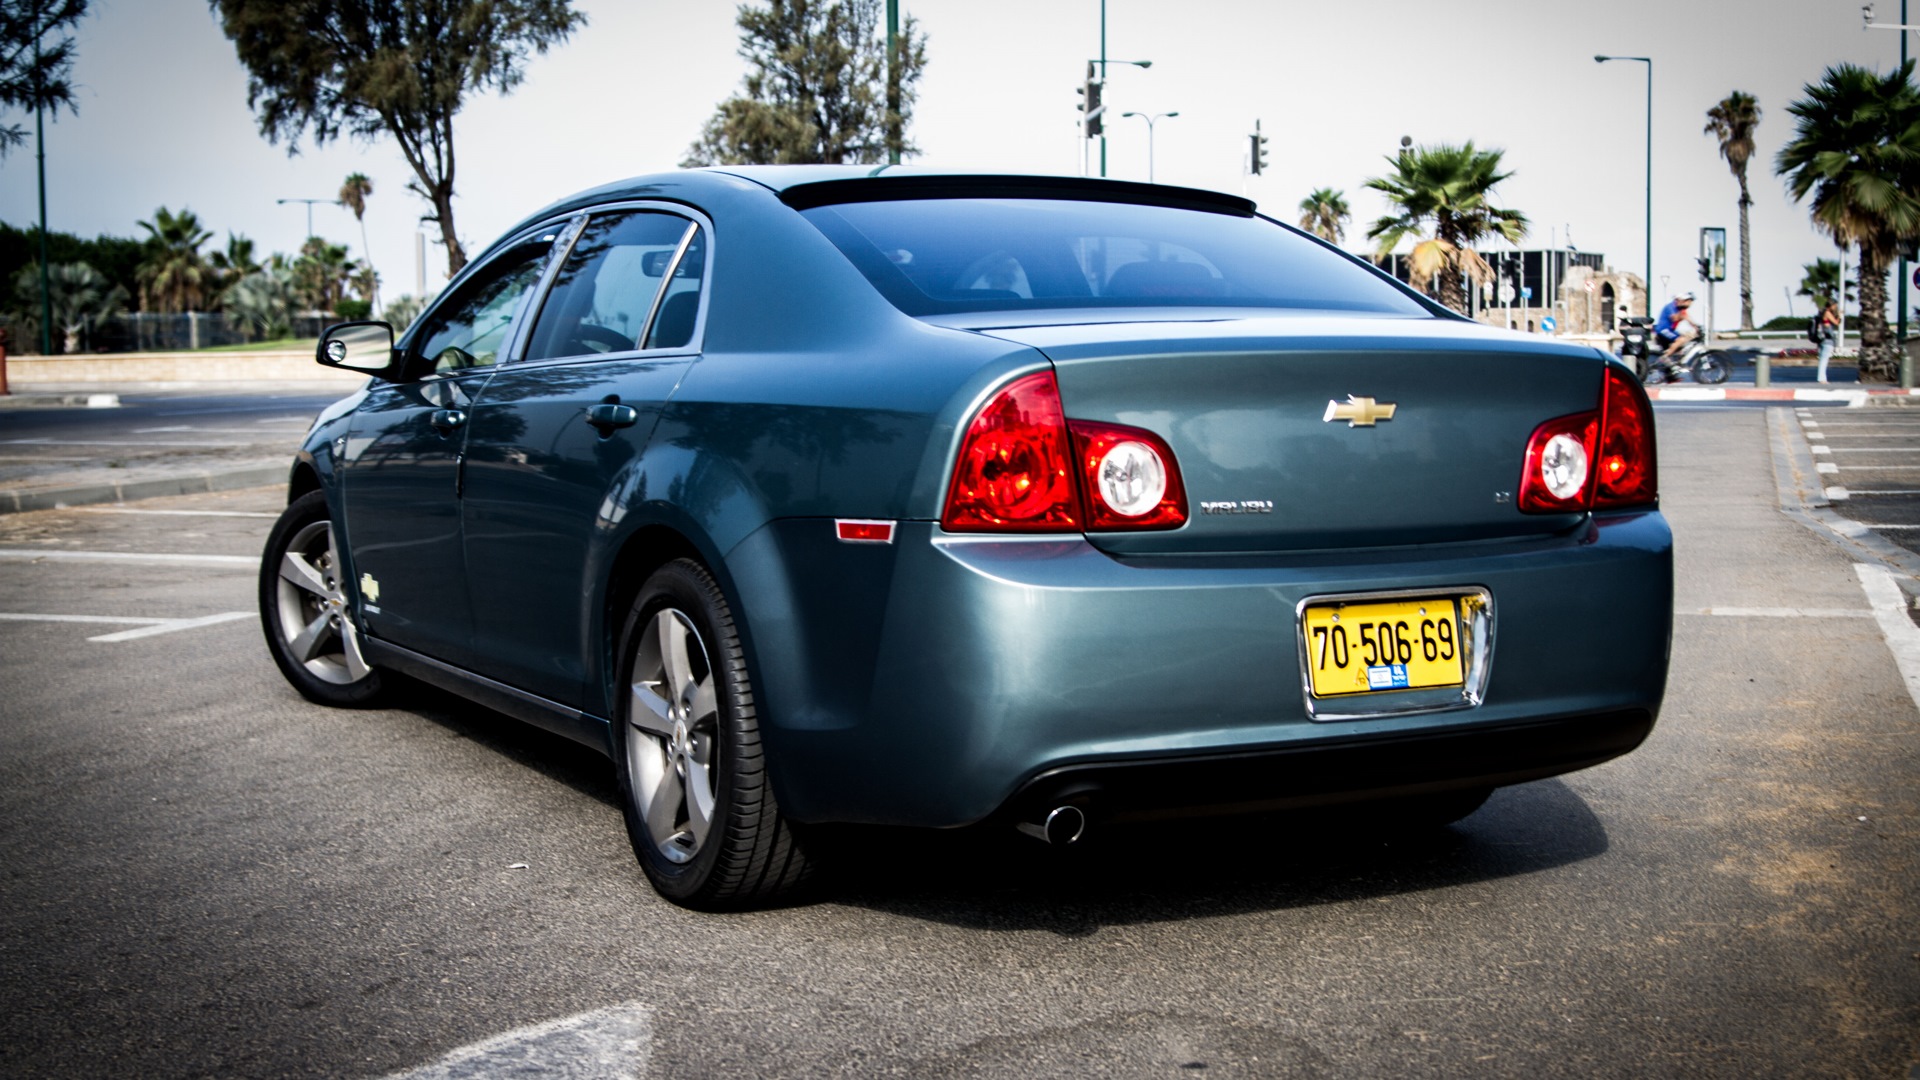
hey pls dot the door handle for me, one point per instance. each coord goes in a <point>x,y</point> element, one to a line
<point>445,420</point>
<point>609,415</point>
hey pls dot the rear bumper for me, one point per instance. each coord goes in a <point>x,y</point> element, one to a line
<point>939,681</point>
<point>1335,771</point>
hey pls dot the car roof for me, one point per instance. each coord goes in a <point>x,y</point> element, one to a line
<point>805,186</point>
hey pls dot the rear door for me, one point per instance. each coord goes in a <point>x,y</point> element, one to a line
<point>557,430</point>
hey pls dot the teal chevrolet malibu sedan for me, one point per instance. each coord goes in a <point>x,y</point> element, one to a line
<point>817,495</point>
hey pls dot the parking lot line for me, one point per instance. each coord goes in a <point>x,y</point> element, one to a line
<point>176,513</point>
<point>143,626</point>
<point>172,625</point>
<point>117,619</point>
<point>1782,612</point>
<point>1890,610</point>
<point>131,556</point>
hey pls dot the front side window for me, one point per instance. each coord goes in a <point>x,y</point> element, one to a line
<point>603,295</point>
<point>470,329</point>
<point>935,256</point>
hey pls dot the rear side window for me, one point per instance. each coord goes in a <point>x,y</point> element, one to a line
<point>609,285</point>
<point>942,256</point>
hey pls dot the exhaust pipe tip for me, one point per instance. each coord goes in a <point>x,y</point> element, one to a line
<point>1063,825</point>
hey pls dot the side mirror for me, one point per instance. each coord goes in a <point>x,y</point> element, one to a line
<point>359,346</point>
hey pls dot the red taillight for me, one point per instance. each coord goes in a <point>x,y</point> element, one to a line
<point>1129,478</point>
<point>1593,460</point>
<point>1020,470</point>
<point>1014,472</point>
<point>1628,475</point>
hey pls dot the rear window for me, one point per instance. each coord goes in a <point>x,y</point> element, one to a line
<point>945,256</point>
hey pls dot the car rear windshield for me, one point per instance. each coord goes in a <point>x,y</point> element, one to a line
<point>947,256</point>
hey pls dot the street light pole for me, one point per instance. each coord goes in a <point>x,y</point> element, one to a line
<point>1900,302</point>
<point>309,202</point>
<point>1150,120</point>
<point>40,157</point>
<point>1647,60</point>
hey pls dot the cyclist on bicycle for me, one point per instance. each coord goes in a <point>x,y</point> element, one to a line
<point>1673,328</point>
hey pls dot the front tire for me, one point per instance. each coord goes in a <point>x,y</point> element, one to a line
<point>699,808</point>
<point>304,610</point>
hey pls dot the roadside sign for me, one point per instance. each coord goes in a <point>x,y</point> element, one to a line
<point>1713,249</point>
<point>1549,324</point>
<point>1526,294</point>
<point>1506,292</point>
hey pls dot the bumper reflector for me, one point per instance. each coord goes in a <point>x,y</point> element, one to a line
<point>855,531</point>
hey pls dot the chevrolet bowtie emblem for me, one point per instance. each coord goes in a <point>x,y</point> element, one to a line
<point>1358,411</point>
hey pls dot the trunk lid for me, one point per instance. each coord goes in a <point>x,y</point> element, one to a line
<point>1244,405</point>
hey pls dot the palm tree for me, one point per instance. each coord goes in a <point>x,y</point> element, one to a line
<point>321,275</point>
<point>233,265</point>
<point>1821,282</point>
<point>81,299</point>
<point>1324,214</point>
<point>1732,122</point>
<point>353,196</point>
<point>1856,151</point>
<point>174,276</point>
<point>1447,188</point>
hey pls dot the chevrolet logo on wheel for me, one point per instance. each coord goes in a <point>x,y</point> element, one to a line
<point>1359,411</point>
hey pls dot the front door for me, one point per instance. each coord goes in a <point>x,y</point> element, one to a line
<point>405,458</point>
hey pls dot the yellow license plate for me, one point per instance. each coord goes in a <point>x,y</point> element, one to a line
<point>1372,646</point>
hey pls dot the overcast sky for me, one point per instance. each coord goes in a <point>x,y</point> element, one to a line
<point>163,117</point>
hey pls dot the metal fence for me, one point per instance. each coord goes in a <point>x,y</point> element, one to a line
<point>147,332</point>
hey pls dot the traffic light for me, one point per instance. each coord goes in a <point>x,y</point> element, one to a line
<point>1095,119</point>
<point>1257,150</point>
<point>1706,268</point>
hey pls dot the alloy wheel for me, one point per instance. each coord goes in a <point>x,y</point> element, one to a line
<point>673,735</point>
<point>312,612</point>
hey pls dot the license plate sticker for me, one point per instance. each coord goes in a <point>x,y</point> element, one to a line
<point>1375,646</point>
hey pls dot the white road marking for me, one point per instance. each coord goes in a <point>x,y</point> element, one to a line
<point>173,625</point>
<point>1818,449</point>
<point>115,619</point>
<point>175,513</point>
<point>155,430</point>
<point>1890,610</point>
<point>1838,494</point>
<point>145,627</point>
<point>614,1043</point>
<point>1880,491</point>
<point>116,442</point>
<point>1871,525</point>
<point>1868,449</point>
<point>1827,466</point>
<point>131,556</point>
<point>1783,612</point>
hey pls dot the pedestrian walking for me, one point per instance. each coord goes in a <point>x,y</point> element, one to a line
<point>1829,331</point>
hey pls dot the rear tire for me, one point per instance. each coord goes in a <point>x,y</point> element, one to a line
<point>1712,368</point>
<point>304,609</point>
<point>694,790</point>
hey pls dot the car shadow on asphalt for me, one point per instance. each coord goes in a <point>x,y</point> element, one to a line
<point>1212,867</point>
<point>555,757</point>
<point>996,879</point>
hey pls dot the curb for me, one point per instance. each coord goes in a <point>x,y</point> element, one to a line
<point>18,501</point>
<point>30,401</point>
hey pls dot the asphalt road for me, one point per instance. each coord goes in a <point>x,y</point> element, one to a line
<point>152,435</point>
<point>204,875</point>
